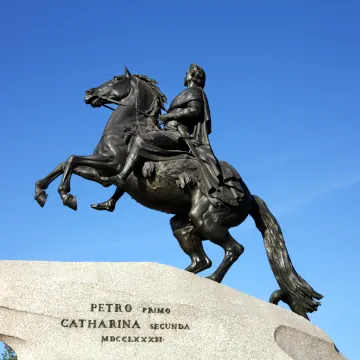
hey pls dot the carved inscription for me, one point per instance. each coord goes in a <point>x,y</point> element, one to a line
<point>148,332</point>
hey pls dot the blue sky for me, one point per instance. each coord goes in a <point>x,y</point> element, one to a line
<point>283,83</point>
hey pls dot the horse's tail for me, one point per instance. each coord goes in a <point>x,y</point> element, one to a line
<point>294,290</point>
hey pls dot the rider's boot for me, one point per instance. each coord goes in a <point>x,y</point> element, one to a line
<point>120,179</point>
<point>110,204</point>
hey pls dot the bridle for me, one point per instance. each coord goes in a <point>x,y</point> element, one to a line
<point>111,101</point>
<point>137,111</point>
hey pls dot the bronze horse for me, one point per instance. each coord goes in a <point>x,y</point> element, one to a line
<point>173,187</point>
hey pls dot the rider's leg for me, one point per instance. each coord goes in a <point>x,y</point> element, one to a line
<point>154,140</point>
<point>120,179</point>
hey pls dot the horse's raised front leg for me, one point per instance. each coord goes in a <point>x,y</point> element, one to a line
<point>42,185</point>
<point>97,162</point>
<point>85,172</point>
<point>89,173</point>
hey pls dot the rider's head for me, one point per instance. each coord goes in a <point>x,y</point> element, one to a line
<point>196,74</point>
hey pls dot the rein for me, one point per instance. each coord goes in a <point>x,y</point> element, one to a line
<point>136,105</point>
<point>111,101</point>
<point>119,103</point>
<point>109,107</point>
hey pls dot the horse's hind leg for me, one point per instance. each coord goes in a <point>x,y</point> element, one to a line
<point>232,248</point>
<point>191,243</point>
<point>213,223</point>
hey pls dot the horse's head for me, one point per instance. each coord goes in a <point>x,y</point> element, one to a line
<point>149,98</point>
<point>112,91</point>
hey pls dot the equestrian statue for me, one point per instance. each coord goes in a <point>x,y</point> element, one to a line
<point>166,163</point>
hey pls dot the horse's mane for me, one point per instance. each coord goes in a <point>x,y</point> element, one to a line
<point>153,85</point>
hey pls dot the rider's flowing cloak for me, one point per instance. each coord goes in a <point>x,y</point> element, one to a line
<point>221,180</point>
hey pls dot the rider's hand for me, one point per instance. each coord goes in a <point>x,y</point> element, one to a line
<point>164,118</point>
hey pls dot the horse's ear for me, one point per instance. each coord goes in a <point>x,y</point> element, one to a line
<point>127,72</point>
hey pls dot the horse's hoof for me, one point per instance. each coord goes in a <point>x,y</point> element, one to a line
<point>70,201</point>
<point>192,268</point>
<point>213,278</point>
<point>197,267</point>
<point>107,205</point>
<point>41,197</point>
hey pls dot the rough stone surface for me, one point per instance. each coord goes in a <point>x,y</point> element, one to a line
<point>302,346</point>
<point>36,298</point>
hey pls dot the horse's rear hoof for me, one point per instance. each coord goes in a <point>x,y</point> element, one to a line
<point>214,278</point>
<point>70,201</point>
<point>196,267</point>
<point>41,197</point>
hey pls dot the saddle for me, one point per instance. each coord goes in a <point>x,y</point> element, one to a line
<point>185,172</point>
